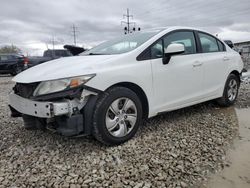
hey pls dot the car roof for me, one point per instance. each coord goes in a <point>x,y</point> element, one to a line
<point>160,31</point>
<point>171,28</point>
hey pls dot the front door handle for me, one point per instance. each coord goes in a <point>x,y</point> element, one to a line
<point>197,64</point>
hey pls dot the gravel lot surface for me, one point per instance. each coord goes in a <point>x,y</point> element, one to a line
<point>177,149</point>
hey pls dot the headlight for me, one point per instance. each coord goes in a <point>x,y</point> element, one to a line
<point>53,86</point>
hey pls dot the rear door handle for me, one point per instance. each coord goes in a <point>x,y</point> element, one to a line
<point>197,64</point>
<point>225,58</point>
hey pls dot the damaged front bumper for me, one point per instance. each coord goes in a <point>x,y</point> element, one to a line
<point>43,109</point>
<point>245,77</point>
<point>69,117</point>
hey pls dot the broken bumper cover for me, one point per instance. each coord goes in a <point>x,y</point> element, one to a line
<point>245,77</point>
<point>37,108</point>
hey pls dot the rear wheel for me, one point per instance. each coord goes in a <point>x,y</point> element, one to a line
<point>117,116</point>
<point>230,91</point>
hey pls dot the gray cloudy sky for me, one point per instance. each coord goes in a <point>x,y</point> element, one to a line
<point>30,24</point>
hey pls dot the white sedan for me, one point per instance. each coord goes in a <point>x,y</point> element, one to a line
<point>109,89</point>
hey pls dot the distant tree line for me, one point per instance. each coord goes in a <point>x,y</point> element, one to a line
<point>10,49</point>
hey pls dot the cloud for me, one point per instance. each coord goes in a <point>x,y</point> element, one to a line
<point>32,24</point>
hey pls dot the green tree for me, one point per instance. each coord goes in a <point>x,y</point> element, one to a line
<point>10,49</point>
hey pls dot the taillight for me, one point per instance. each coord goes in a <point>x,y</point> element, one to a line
<point>25,61</point>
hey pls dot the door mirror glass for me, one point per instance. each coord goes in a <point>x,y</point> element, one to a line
<point>174,48</point>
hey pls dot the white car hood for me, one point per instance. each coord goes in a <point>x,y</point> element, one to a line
<point>63,68</point>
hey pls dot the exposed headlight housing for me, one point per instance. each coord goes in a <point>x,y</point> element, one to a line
<point>53,86</point>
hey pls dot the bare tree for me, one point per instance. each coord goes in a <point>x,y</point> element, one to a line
<point>10,49</point>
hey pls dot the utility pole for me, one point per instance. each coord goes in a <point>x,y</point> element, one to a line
<point>53,42</point>
<point>128,21</point>
<point>74,32</point>
<point>53,46</point>
<point>12,47</point>
<point>128,29</point>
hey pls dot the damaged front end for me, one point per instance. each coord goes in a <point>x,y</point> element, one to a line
<point>67,112</point>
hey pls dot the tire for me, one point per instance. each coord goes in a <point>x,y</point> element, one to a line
<point>230,92</point>
<point>111,124</point>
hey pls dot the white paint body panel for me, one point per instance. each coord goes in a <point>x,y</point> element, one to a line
<point>202,77</point>
<point>177,82</point>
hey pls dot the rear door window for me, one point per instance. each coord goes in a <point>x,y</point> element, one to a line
<point>208,43</point>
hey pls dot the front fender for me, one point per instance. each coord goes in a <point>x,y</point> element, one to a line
<point>139,74</point>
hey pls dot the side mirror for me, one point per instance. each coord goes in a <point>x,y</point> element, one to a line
<point>172,49</point>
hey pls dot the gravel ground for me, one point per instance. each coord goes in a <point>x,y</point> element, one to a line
<point>177,149</point>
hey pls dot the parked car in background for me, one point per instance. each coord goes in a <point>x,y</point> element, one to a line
<point>108,90</point>
<point>74,50</point>
<point>12,63</point>
<point>229,43</point>
<point>47,56</point>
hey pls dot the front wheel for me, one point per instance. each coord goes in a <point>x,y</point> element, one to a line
<point>117,116</point>
<point>230,91</point>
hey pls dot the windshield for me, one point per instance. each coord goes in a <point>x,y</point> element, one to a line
<point>121,45</point>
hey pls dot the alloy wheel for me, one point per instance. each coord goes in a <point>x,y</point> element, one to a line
<point>232,90</point>
<point>121,117</point>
